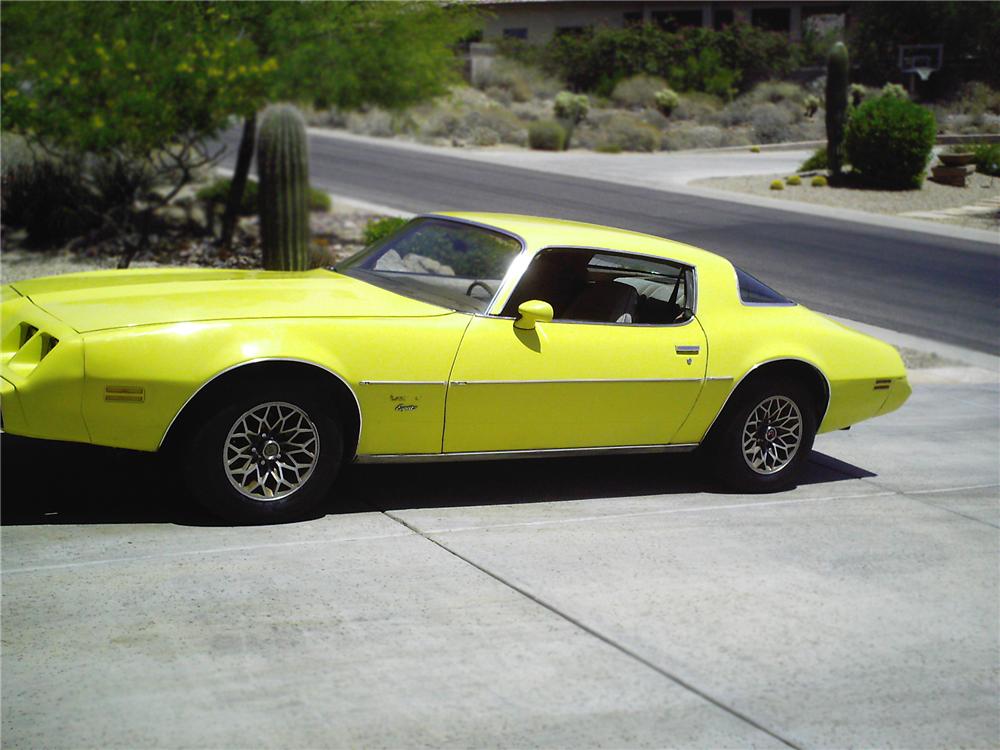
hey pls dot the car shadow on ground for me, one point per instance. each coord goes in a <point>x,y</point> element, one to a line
<point>63,483</point>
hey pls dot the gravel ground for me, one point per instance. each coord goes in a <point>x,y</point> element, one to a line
<point>931,197</point>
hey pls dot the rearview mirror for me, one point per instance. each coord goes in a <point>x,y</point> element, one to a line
<point>531,312</point>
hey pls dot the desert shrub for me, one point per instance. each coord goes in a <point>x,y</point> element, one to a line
<point>571,107</point>
<point>755,149</point>
<point>977,98</point>
<point>776,92</point>
<point>777,185</point>
<point>521,81</point>
<point>375,122</point>
<point>46,197</point>
<point>695,136</point>
<point>987,158</point>
<point>789,97</point>
<point>217,193</point>
<point>638,91</point>
<point>818,181</point>
<point>477,123</point>
<point>378,229</point>
<point>818,160</point>
<point>546,135</point>
<point>889,142</point>
<point>793,180</point>
<point>697,106</point>
<point>895,90</point>
<point>630,134</point>
<point>666,101</point>
<point>608,148</point>
<point>771,123</point>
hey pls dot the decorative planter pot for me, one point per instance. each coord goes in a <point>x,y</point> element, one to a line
<point>956,160</point>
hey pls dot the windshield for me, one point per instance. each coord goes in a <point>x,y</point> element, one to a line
<point>447,263</point>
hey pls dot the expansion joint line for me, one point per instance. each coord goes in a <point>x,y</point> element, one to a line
<point>599,635</point>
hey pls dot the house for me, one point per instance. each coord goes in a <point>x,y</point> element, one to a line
<point>537,21</point>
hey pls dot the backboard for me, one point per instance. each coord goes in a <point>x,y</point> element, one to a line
<point>921,59</point>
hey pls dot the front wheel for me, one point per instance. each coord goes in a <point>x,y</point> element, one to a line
<point>269,456</point>
<point>765,437</point>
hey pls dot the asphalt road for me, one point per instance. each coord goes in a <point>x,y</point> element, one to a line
<point>941,288</point>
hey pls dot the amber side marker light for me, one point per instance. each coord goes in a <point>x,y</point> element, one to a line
<point>132,393</point>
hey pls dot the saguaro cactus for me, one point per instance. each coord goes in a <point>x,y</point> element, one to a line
<point>836,105</point>
<point>283,198</point>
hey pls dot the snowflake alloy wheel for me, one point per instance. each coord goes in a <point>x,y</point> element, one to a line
<point>271,451</point>
<point>772,435</point>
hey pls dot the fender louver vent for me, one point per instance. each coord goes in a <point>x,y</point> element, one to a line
<point>883,384</point>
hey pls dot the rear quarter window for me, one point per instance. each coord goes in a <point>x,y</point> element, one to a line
<point>753,291</point>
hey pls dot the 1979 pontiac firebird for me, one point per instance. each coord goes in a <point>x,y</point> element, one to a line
<point>463,336</point>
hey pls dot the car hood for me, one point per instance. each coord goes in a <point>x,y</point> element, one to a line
<point>117,299</point>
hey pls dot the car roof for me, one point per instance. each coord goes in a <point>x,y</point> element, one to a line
<point>539,232</point>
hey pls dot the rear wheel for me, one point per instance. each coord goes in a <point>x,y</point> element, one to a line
<point>269,456</point>
<point>765,437</point>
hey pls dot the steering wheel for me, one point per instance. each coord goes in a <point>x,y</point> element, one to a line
<point>476,283</point>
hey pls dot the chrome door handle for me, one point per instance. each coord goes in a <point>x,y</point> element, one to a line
<point>687,349</point>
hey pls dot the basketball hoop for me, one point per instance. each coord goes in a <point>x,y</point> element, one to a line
<point>920,60</point>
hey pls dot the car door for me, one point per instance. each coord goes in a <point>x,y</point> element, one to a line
<point>572,383</point>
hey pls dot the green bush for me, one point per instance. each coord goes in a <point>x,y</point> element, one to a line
<point>889,142</point>
<point>608,148</point>
<point>638,91</point>
<point>818,181</point>
<point>378,229</point>
<point>546,135</point>
<point>218,193</point>
<point>987,158</point>
<point>666,101</point>
<point>793,180</point>
<point>777,185</point>
<point>819,160</point>
<point>708,60</point>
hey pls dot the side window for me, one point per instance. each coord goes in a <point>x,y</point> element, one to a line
<point>756,292</point>
<point>607,287</point>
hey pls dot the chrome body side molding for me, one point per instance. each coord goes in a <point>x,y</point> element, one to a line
<point>576,380</point>
<point>409,458</point>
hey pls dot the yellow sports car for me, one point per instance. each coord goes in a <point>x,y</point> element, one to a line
<point>462,336</point>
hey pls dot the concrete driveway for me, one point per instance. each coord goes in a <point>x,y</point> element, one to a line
<point>617,602</point>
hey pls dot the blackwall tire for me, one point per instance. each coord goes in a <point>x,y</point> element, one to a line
<point>765,437</point>
<point>270,455</point>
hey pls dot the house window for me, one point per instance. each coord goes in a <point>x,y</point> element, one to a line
<point>722,18</point>
<point>772,19</point>
<point>570,30</point>
<point>672,20</point>
<point>518,33</point>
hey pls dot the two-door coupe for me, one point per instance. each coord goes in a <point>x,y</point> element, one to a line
<point>462,336</point>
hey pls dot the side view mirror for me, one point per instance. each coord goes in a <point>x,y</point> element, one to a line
<point>531,312</point>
